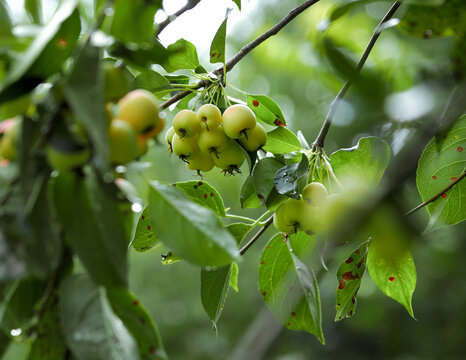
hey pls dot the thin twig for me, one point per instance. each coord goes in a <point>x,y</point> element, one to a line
<point>244,51</point>
<point>257,236</point>
<point>436,196</point>
<point>319,142</point>
<point>190,4</point>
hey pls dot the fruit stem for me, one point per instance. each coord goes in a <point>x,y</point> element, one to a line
<point>238,217</point>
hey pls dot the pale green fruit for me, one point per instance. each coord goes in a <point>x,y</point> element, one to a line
<point>168,138</point>
<point>139,108</point>
<point>229,158</point>
<point>123,142</point>
<point>209,116</point>
<point>238,121</point>
<point>312,221</point>
<point>184,147</point>
<point>200,161</point>
<point>315,194</point>
<point>256,139</point>
<point>65,156</point>
<point>212,140</point>
<point>10,129</point>
<point>185,124</point>
<point>288,217</point>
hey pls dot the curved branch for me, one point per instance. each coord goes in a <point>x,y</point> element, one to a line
<point>319,141</point>
<point>245,50</point>
<point>190,4</point>
<point>436,196</point>
<point>257,236</point>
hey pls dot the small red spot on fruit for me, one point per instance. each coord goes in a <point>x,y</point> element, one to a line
<point>262,263</point>
<point>293,314</point>
<point>459,148</point>
<point>148,227</point>
<point>205,196</point>
<point>434,177</point>
<point>211,194</point>
<point>391,278</point>
<point>356,251</point>
<point>444,195</point>
<point>349,260</point>
<point>135,302</point>
<point>255,103</point>
<point>152,349</point>
<point>342,284</point>
<point>453,179</point>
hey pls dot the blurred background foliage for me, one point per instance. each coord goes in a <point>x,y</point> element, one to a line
<point>405,83</point>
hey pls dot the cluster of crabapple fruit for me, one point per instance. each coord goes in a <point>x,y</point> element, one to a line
<point>207,138</point>
<point>307,214</point>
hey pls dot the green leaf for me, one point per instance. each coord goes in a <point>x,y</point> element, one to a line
<point>343,7</point>
<point>33,7</point>
<point>88,211</point>
<point>442,162</point>
<point>84,92</point>
<point>364,163</point>
<point>174,215</point>
<point>234,276</point>
<point>266,109</point>
<point>49,343</point>
<point>248,196</point>
<point>263,177</point>
<point>238,3</point>
<point>5,21</point>
<point>170,258</point>
<point>239,230</point>
<point>214,289</point>
<point>184,56</point>
<point>46,53</point>
<point>391,266</point>
<point>290,179</point>
<point>138,321</point>
<point>140,55</point>
<point>91,329</point>
<point>153,82</point>
<point>217,48</point>
<point>204,194</point>
<point>144,236</point>
<point>133,21</point>
<point>282,141</point>
<point>289,287</point>
<point>19,303</point>
<point>349,275</point>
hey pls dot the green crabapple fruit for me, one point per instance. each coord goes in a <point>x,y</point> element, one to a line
<point>289,217</point>
<point>200,161</point>
<point>185,124</point>
<point>256,139</point>
<point>212,140</point>
<point>238,121</point>
<point>117,80</point>
<point>230,158</point>
<point>64,155</point>
<point>312,221</point>
<point>209,116</point>
<point>139,108</point>
<point>315,194</point>
<point>123,142</point>
<point>10,129</point>
<point>168,138</point>
<point>184,147</point>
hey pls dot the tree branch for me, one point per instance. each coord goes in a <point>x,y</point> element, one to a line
<point>436,196</point>
<point>189,5</point>
<point>257,236</point>
<point>245,50</point>
<point>319,142</point>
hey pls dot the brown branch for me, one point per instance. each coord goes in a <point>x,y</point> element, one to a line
<point>257,236</point>
<point>319,141</point>
<point>436,196</point>
<point>190,4</point>
<point>245,50</point>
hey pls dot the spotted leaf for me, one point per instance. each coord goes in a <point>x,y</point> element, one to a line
<point>144,237</point>
<point>204,194</point>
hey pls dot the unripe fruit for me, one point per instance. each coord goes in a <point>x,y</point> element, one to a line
<point>168,138</point>
<point>123,142</point>
<point>288,217</point>
<point>64,155</point>
<point>238,121</point>
<point>256,139</point>
<point>230,158</point>
<point>10,129</point>
<point>315,194</point>
<point>154,132</point>
<point>185,124</point>
<point>184,147</point>
<point>117,80</point>
<point>212,140</point>
<point>139,108</point>
<point>142,147</point>
<point>312,221</point>
<point>200,161</point>
<point>209,116</point>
